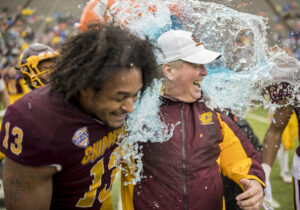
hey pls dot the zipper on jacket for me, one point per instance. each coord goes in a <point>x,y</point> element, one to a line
<point>183,142</point>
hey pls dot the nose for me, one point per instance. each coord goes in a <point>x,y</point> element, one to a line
<point>127,106</point>
<point>203,70</point>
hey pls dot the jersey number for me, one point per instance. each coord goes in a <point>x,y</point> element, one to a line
<point>15,146</point>
<point>97,171</point>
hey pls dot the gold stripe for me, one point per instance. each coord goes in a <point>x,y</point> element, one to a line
<point>232,150</point>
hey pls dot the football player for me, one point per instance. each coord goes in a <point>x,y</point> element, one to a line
<point>36,63</point>
<point>287,97</point>
<point>60,140</point>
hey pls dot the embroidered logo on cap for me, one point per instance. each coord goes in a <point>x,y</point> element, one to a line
<point>196,40</point>
<point>81,137</point>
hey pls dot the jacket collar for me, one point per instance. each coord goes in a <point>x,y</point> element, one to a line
<point>205,98</point>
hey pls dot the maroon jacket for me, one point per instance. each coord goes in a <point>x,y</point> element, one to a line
<point>184,172</point>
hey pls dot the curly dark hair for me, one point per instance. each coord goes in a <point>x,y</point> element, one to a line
<point>91,57</point>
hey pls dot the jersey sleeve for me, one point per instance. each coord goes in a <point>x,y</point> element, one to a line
<point>238,158</point>
<point>21,140</point>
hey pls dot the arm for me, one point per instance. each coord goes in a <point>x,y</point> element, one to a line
<point>241,163</point>
<point>272,138</point>
<point>27,187</point>
<point>4,98</point>
<point>238,159</point>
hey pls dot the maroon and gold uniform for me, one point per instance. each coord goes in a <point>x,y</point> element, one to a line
<point>16,87</point>
<point>184,172</point>
<point>80,147</point>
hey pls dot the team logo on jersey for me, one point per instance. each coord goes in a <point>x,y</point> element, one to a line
<point>81,137</point>
<point>206,118</point>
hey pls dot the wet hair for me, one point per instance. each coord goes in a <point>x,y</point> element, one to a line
<point>91,57</point>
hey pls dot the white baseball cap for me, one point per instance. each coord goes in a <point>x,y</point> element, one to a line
<point>183,45</point>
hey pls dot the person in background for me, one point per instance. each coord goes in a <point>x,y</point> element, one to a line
<point>36,63</point>
<point>281,94</point>
<point>289,138</point>
<point>15,84</point>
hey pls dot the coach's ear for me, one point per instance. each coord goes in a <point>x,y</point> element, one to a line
<point>168,71</point>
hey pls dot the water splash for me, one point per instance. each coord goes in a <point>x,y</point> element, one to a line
<point>235,82</point>
<point>143,125</point>
<point>232,91</point>
<point>248,65</point>
<point>146,114</point>
<point>240,37</point>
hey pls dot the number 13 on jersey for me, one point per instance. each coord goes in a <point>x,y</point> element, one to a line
<point>15,145</point>
<point>97,171</point>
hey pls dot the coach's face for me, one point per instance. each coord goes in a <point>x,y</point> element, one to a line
<point>115,99</point>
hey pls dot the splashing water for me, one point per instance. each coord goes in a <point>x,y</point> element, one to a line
<point>248,65</point>
<point>143,125</point>
<point>158,132</point>
<point>223,86</point>
<point>143,17</point>
<point>234,82</point>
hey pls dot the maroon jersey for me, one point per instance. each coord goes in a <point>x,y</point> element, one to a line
<point>39,130</point>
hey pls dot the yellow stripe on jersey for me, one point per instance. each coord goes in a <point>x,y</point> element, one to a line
<point>127,191</point>
<point>126,185</point>
<point>231,151</point>
<point>107,204</point>
<point>290,133</point>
